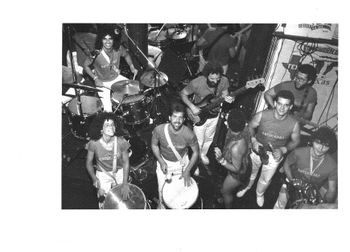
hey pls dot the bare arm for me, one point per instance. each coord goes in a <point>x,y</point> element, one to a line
<point>237,152</point>
<point>269,96</point>
<point>87,63</point>
<point>126,166</point>
<point>90,167</point>
<point>194,157</point>
<point>129,61</point>
<point>295,139</point>
<point>184,97</point>
<point>156,152</point>
<point>287,167</point>
<point>331,193</point>
<point>253,124</point>
<point>308,112</point>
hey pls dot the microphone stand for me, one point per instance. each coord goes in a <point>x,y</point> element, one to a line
<point>79,108</point>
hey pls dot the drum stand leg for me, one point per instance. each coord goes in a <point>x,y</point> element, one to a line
<point>157,106</point>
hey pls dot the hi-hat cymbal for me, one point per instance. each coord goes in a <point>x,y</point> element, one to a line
<point>83,87</point>
<point>126,87</point>
<point>148,79</point>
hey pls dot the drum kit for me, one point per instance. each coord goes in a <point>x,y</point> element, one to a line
<point>135,102</point>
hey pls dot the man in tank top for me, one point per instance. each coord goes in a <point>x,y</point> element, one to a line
<point>274,132</point>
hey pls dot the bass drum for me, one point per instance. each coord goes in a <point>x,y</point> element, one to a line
<point>80,124</point>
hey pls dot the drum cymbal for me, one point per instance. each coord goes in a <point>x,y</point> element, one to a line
<point>126,87</point>
<point>83,87</point>
<point>148,79</point>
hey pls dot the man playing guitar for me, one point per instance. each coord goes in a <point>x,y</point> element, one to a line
<point>210,83</point>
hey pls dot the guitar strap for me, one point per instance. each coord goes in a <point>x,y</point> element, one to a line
<point>171,145</point>
<point>114,162</point>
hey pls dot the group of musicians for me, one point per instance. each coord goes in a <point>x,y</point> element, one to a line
<point>263,142</point>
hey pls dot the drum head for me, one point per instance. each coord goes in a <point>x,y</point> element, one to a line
<point>114,199</point>
<point>177,196</point>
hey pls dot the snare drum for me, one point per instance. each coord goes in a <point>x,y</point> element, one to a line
<point>134,108</point>
<point>79,124</point>
<point>177,196</point>
<point>114,199</point>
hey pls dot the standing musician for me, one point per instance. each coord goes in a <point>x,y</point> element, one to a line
<point>106,64</point>
<point>277,133</point>
<point>211,84</point>
<point>110,150</point>
<point>313,165</point>
<point>235,155</point>
<point>220,44</point>
<point>170,142</point>
<point>305,96</point>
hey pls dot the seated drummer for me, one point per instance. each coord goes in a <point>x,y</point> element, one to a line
<point>106,63</point>
<point>112,163</point>
<point>181,137</point>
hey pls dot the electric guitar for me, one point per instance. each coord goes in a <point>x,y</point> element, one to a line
<point>209,102</point>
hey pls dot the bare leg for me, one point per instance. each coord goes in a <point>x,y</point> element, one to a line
<point>230,184</point>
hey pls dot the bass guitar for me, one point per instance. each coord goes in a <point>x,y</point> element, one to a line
<point>209,102</point>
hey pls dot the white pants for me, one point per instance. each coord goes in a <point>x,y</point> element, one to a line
<point>106,182</point>
<point>173,167</point>
<point>205,134</point>
<point>267,172</point>
<point>106,94</point>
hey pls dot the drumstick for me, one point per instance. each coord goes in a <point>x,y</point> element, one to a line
<point>159,32</point>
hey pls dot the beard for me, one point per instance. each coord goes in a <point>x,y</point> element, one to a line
<point>212,84</point>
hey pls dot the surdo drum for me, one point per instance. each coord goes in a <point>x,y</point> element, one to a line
<point>177,196</point>
<point>136,200</point>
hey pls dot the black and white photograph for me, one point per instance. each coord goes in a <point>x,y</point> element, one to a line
<point>174,126</point>
<point>199,116</point>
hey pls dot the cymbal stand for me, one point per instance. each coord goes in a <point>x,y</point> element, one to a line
<point>77,93</point>
<point>156,92</point>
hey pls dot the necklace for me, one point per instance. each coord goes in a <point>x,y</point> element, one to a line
<point>312,159</point>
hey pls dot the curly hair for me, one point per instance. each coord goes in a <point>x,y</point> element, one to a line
<point>236,120</point>
<point>107,29</point>
<point>97,125</point>
<point>326,136</point>
<point>212,68</point>
<point>177,107</point>
<point>309,70</point>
